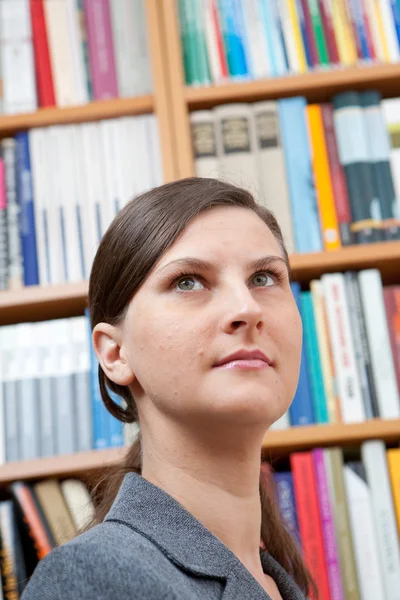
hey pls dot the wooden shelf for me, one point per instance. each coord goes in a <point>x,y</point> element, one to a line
<point>317,86</point>
<point>276,443</point>
<point>94,111</point>
<point>38,303</point>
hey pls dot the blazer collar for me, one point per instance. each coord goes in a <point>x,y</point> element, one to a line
<point>151,511</point>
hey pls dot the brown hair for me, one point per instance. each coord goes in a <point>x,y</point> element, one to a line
<point>139,235</point>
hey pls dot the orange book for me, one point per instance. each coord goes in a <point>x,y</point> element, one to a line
<point>393,457</point>
<point>323,182</point>
<point>309,517</point>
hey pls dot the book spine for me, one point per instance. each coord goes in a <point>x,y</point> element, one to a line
<point>326,202</point>
<point>328,526</point>
<point>368,29</point>
<point>318,32</point>
<point>393,319</point>
<point>327,22</point>
<point>284,490</point>
<point>26,202</point>
<point>306,495</point>
<point>15,266</point>
<point>395,10</point>
<point>309,33</point>
<point>301,409</point>
<point>85,48</point>
<point>200,41</point>
<point>389,30</point>
<point>373,453</point>
<point>373,17</point>
<point>295,27</point>
<point>232,31</point>
<point>204,143</point>
<point>8,566</point>
<point>337,178</point>
<point>101,52</point>
<point>4,276</point>
<point>393,459</point>
<point>215,42</point>
<point>303,29</point>
<point>256,42</point>
<point>44,75</point>
<point>343,349</point>
<point>275,43</point>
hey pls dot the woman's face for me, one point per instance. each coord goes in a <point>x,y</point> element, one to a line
<point>221,289</point>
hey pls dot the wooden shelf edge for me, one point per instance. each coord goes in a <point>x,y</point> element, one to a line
<point>93,111</point>
<point>303,438</point>
<point>276,442</point>
<point>316,86</point>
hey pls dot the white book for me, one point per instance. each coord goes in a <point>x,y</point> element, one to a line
<point>348,384</point>
<point>16,56</point>
<point>78,59</point>
<point>288,35</point>
<point>373,454</point>
<point>274,191</point>
<point>91,168</point>
<point>204,143</point>
<point>130,36</point>
<point>83,191</point>
<point>155,154</point>
<point>237,145</point>
<point>69,223</point>
<point>359,502</point>
<point>81,371</point>
<point>118,166</point>
<point>379,343</point>
<point>390,31</point>
<point>28,391</point>
<point>64,405</point>
<point>56,225</point>
<point>3,375</point>
<point>110,175</point>
<point>45,376</point>
<point>391,113</point>
<point>138,166</point>
<point>10,445</point>
<point>371,8</point>
<point>79,502</point>
<point>61,53</point>
<point>38,152</point>
<point>126,171</point>
<point>211,35</point>
<point>257,49</point>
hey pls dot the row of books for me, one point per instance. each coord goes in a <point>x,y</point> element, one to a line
<point>343,510</point>
<point>68,52</point>
<point>256,39</point>
<point>34,519</point>
<point>50,401</point>
<point>330,172</point>
<point>350,366</point>
<point>60,188</point>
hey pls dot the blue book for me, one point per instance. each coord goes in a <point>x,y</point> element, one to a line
<point>295,141</point>
<point>396,17</point>
<point>233,30</point>
<point>101,421</point>
<point>303,29</point>
<point>27,216</point>
<point>284,491</point>
<point>358,17</point>
<point>274,35</point>
<point>313,358</point>
<point>116,433</point>
<point>301,410</point>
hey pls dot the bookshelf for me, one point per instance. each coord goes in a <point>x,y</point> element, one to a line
<point>276,443</point>
<point>36,303</point>
<point>171,102</point>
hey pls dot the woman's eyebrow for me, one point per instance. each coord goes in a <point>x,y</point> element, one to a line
<point>205,265</point>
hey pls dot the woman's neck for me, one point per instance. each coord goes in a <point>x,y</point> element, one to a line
<point>217,483</point>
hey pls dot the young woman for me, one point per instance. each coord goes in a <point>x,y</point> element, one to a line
<point>196,328</point>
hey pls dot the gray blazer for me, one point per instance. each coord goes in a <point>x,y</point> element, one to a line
<point>150,548</point>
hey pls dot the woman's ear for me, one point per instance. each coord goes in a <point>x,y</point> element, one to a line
<point>107,341</point>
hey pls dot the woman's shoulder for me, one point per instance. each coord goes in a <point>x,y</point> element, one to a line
<point>110,560</point>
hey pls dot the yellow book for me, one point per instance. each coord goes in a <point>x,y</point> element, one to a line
<point>381,29</point>
<point>343,33</point>
<point>294,17</point>
<point>325,351</point>
<point>393,457</point>
<point>323,183</point>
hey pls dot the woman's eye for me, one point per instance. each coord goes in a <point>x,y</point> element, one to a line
<point>262,280</point>
<point>189,284</point>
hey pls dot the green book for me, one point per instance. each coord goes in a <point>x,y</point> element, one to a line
<point>200,42</point>
<point>188,41</point>
<point>319,33</point>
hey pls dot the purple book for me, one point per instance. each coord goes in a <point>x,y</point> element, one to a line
<point>310,33</point>
<point>101,49</point>
<point>287,507</point>
<point>328,526</point>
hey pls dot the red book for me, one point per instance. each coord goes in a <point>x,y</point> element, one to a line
<point>391,296</point>
<point>368,33</point>
<point>220,41</point>
<point>338,179</point>
<point>44,76</point>
<point>327,24</point>
<point>310,523</point>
